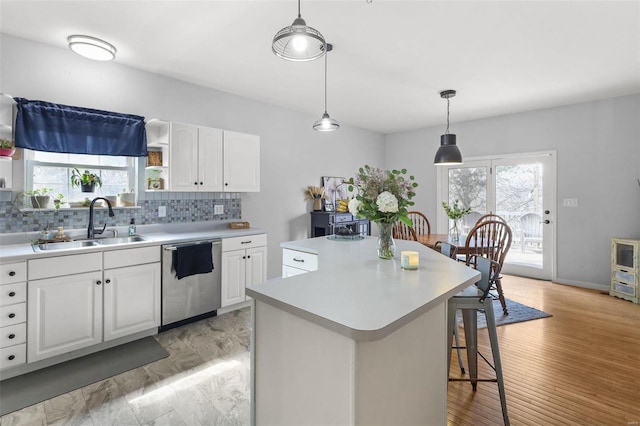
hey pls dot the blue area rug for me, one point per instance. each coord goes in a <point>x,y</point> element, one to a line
<point>517,313</point>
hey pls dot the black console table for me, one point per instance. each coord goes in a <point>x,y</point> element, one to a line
<point>326,223</point>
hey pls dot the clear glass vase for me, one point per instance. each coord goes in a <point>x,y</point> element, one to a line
<point>386,245</point>
<point>454,232</point>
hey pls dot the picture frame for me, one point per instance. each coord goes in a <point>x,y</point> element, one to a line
<point>334,187</point>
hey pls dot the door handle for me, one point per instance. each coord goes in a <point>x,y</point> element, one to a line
<point>546,221</point>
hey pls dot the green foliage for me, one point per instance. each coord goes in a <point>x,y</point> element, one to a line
<point>455,212</point>
<point>40,192</point>
<point>6,143</point>
<point>85,178</point>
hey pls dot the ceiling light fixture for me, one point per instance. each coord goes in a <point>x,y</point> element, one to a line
<point>298,42</point>
<point>326,123</point>
<point>448,153</point>
<point>91,47</point>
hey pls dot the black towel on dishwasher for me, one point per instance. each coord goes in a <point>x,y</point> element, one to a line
<point>192,260</point>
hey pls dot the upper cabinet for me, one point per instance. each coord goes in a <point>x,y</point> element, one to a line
<point>203,158</point>
<point>241,162</point>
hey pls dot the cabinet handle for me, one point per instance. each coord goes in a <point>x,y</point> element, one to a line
<point>12,273</point>
<point>98,282</point>
<point>249,257</point>
<point>11,357</point>
<point>107,281</point>
<point>12,336</point>
<point>12,315</point>
<point>244,257</point>
<point>195,183</point>
<point>226,184</point>
<point>201,183</point>
<point>245,242</point>
<point>12,293</point>
<point>295,259</point>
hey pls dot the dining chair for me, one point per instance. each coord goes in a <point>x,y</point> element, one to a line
<point>402,231</point>
<point>420,223</point>
<point>490,216</point>
<point>470,301</point>
<point>470,219</point>
<point>490,238</point>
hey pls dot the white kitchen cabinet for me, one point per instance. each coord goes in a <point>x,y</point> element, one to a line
<point>65,314</point>
<point>73,303</point>
<point>296,262</point>
<point>195,158</point>
<point>13,314</point>
<point>241,162</point>
<point>244,263</point>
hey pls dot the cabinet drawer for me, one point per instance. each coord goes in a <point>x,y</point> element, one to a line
<point>13,314</point>
<point>130,257</point>
<point>289,271</point>
<point>10,294</point>
<point>624,276</point>
<point>64,265</point>
<point>12,356</point>
<point>13,335</point>
<point>300,259</point>
<point>239,243</point>
<point>13,272</point>
<point>629,290</point>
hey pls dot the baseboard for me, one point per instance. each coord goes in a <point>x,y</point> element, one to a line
<point>584,284</point>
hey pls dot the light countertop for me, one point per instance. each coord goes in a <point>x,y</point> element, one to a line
<point>358,295</point>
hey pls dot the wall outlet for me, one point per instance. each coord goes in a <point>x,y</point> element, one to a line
<point>162,211</point>
<point>218,209</point>
<point>570,202</point>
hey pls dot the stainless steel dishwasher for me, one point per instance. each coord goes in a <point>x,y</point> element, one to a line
<point>190,298</point>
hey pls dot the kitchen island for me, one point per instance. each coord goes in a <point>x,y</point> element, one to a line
<point>360,341</point>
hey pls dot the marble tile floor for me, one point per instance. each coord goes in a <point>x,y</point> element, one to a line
<point>203,381</point>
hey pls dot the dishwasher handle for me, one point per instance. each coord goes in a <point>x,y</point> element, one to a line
<point>214,242</point>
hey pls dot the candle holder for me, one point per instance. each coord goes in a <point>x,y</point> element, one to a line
<point>409,259</point>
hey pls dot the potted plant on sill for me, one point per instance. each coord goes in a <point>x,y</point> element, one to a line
<point>40,197</point>
<point>87,181</point>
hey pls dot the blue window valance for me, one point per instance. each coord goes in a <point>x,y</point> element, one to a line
<point>45,126</point>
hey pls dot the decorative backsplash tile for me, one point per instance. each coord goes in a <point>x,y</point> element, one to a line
<point>181,207</point>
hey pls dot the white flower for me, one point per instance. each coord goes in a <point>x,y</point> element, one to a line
<point>354,206</point>
<point>387,202</point>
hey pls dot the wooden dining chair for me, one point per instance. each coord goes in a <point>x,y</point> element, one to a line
<point>402,231</point>
<point>420,223</point>
<point>491,216</point>
<point>491,239</point>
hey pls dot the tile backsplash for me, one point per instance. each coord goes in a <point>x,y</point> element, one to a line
<point>180,207</point>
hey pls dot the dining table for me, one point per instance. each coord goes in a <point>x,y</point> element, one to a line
<point>430,240</point>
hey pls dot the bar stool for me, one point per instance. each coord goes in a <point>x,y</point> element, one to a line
<point>470,300</point>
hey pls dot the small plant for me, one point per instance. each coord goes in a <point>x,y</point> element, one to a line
<point>85,178</point>
<point>454,211</point>
<point>40,192</point>
<point>6,143</point>
<point>57,201</point>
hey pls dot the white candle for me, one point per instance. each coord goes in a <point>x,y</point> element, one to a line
<point>409,259</point>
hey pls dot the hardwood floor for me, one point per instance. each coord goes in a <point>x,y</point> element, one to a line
<point>579,367</point>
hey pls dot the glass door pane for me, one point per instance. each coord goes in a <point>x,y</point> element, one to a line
<point>468,185</point>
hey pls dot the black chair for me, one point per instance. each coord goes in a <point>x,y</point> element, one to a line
<point>470,301</point>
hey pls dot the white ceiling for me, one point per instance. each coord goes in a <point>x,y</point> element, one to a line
<point>391,58</point>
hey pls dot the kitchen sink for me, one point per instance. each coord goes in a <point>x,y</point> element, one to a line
<point>121,240</point>
<point>88,243</point>
<point>65,245</point>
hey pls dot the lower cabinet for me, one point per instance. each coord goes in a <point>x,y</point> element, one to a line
<point>244,263</point>
<point>296,262</point>
<point>13,314</point>
<point>77,310</point>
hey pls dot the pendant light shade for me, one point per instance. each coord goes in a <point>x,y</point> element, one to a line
<point>91,47</point>
<point>298,42</point>
<point>448,153</point>
<point>326,123</point>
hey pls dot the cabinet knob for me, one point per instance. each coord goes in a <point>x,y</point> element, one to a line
<point>195,183</point>
<point>201,183</point>
<point>12,293</point>
<point>11,357</point>
<point>249,257</point>
<point>12,315</point>
<point>98,282</point>
<point>244,257</point>
<point>12,336</point>
<point>107,281</point>
<point>226,184</point>
<point>12,273</point>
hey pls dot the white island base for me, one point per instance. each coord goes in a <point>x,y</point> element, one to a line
<point>306,374</point>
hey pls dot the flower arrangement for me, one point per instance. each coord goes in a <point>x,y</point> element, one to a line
<point>454,211</point>
<point>383,196</point>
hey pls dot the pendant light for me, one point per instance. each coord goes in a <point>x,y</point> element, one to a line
<point>298,42</point>
<point>448,153</point>
<point>91,47</point>
<point>326,123</point>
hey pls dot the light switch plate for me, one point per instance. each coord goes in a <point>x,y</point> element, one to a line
<point>218,209</point>
<point>162,211</point>
<point>570,202</point>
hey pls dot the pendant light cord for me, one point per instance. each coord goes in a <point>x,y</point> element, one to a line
<point>299,16</point>
<point>446,132</point>
<point>325,81</point>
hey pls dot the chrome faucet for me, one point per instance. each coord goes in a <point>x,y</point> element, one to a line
<point>90,230</point>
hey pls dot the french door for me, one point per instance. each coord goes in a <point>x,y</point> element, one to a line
<point>519,188</point>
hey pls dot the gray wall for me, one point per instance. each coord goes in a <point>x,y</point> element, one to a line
<point>598,162</point>
<point>293,155</point>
